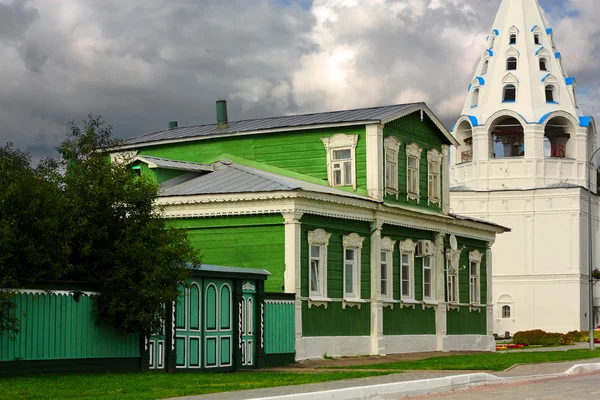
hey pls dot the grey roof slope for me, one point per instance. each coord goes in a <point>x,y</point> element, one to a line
<point>175,164</point>
<point>373,114</point>
<point>230,177</point>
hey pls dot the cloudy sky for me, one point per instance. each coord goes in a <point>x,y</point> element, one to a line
<point>142,63</point>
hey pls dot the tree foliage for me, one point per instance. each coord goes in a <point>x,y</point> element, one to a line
<point>94,222</point>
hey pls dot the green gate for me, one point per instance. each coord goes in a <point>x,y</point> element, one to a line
<point>218,328</point>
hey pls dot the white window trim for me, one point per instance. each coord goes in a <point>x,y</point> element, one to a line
<point>452,268</point>
<point>432,283</point>
<point>353,242</point>
<point>408,247</point>
<point>387,246</point>
<point>391,146</point>
<point>434,156</point>
<point>475,258</point>
<point>413,150</point>
<point>319,238</point>
<point>341,142</point>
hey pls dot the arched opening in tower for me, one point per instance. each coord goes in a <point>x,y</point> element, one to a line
<point>464,136</point>
<point>556,138</point>
<point>508,138</point>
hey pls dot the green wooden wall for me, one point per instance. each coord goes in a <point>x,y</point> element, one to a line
<point>156,175</point>
<point>335,253</point>
<point>336,321</point>
<point>56,327</point>
<point>242,241</point>
<point>300,152</point>
<point>410,129</point>
<point>465,322</point>
<point>408,321</point>
<point>280,331</point>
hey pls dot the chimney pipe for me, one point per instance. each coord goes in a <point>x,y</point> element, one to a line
<point>222,122</point>
<point>172,124</point>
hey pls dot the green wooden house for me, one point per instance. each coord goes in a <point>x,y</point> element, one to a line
<point>349,213</point>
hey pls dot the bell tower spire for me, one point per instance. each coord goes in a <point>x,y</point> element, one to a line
<point>521,107</point>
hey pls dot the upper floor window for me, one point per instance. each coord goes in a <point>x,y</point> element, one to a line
<point>407,271</point>
<point>543,64</point>
<point>509,93</point>
<point>386,267</point>
<point>318,240</point>
<point>413,159</point>
<point>352,248</point>
<point>391,146</point>
<point>341,159</point>
<point>551,96</point>
<point>434,163</point>
<point>484,68</point>
<point>428,277</point>
<point>511,63</point>
<point>475,98</point>
<point>513,39</point>
<point>475,277</point>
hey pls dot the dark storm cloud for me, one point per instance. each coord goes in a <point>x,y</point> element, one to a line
<point>15,19</point>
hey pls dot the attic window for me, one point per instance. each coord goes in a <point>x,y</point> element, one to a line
<point>341,159</point>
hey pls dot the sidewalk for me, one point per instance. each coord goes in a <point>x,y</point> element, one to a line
<point>417,382</point>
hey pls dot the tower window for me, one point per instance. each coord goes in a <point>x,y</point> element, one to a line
<point>543,64</point>
<point>484,69</point>
<point>510,93</point>
<point>511,63</point>
<point>513,39</point>
<point>551,94</point>
<point>493,40</point>
<point>536,39</point>
<point>475,98</point>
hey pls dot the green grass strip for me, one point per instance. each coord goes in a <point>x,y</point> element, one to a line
<point>487,362</point>
<point>146,386</point>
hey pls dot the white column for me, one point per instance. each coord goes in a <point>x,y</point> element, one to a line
<point>490,295</point>
<point>292,281</point>
<point>377,344</point>
<point>375,161</point>
<point>440,289</point>
<point>445,181</point>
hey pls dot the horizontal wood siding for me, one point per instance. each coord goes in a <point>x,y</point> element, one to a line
<point>469,245</point>
<point>336,321</point>
<point>335,254</point>
<point>244,241</point>
<point>301,152</point>
<point>56,327</point>
<point>410,129</point>
<point>408,321</point>
<point>280,331</point>
<point>465,322</point>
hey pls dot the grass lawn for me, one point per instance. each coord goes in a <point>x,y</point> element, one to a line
<point>488,362</point>
<point>149,385</point>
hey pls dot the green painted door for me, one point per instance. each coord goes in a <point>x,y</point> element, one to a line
<point>188,330</point>
<point>248,319</point>
<point>218,330</point>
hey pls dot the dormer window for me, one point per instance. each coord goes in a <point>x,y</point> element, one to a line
<point>484,68</point>
<point>510,93</point>
<point>413,159</point>
<point>434,163</point>
<point>511,63</point>
<point>341,159</point>
<point>543,64</point>
<point>475,98</point>
<point>551,94</point>
<point>513,39</point>
<point>391,146</point>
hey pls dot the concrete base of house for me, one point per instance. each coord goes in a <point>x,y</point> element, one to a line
<point>410,343</point>
<point>335,346</point>
<point>469,343</point>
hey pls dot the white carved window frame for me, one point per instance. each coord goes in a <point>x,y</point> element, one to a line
<point>413,152</point>
<point>353,242</point>
<point>434,168</point>
<point>387,247</point>
<point>475,258</point>
<point>452,271</point>
<point>391,147</point>
<point>431,268</point>
<point>318,238</point>
<point>407,247</point>
<point>336,143</point>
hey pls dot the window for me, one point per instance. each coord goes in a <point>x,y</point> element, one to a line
<point>341,159</point>
<point>505,311</point>
<point>352,247</point>
<point>551,94</point>
<point>513,39</point>
<point>317,271</point>
<point>543,64</point>
<point>407,258</point>
<point>452,260</point>
<point>475,98</point>
<point>492,42</point>
<point>510,93</point>
<point>386,267</point>
<point>413,158</point>
<point>475,277</point>
<point>511,63</point>
<point>434,162</point>
<point>391,146</point>
<point>484,68</point>
<point>428,277</point>
<point>536,39</point>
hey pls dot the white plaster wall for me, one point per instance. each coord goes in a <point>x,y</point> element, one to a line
<point>469,343</point>
<point>409,343</point>
<point>335,346</point>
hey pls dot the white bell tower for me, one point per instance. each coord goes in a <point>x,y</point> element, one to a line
<point>522,163</point>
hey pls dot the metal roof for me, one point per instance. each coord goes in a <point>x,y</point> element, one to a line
<point>157,162</point>
<point>382,114</point>
<point>480,221</point>
<point>231,270</point>
<point>229,177</point>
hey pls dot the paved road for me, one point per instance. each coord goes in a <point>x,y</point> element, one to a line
<point>578,387</point>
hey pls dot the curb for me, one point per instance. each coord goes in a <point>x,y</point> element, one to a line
<point>391,391</point>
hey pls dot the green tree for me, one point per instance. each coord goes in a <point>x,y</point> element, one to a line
<point>119,239</point>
